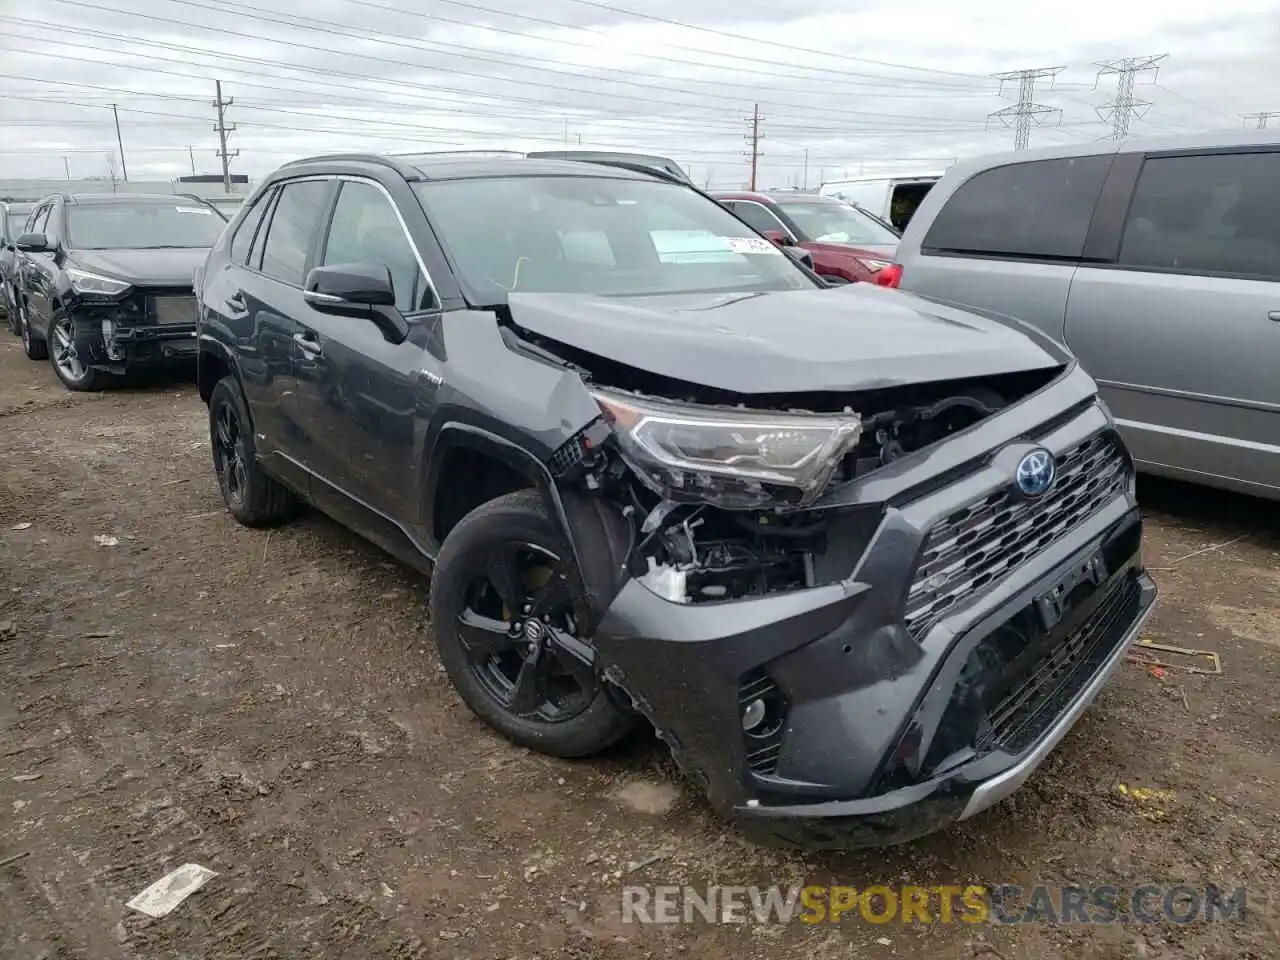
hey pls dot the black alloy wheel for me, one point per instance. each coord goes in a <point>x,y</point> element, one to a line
<point>518,632</point>
<point>229,454</point>
<point>254,498</point>
<point>503,613</point>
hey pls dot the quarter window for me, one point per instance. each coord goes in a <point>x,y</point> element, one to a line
<point>242,242</point>
<point>1037,209</point>
<point>1213,214</point>
<point>365,229</point>
<point>292,228</point>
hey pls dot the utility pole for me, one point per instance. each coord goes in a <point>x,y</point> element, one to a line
<point>806,168</point>
<point>1263,117</point>
<point>222,129</point>
<point>1026,111</point>
<point>66,165</point>
<point>753,140</point>
<point>1124,107</point>
<point>120,143</point>
<point>192,154</point>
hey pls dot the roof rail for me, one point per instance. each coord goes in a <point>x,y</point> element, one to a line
<point>636,162</point>
<point>453,153</point>
<point>384,160</point>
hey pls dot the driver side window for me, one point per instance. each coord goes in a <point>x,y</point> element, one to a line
<point>365,229</point>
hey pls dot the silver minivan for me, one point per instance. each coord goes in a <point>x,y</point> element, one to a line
<point>1156,261</point>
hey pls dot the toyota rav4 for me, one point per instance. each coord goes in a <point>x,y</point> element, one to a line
<point>861,558</point>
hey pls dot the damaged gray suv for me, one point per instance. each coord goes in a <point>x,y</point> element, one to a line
<point>860,559</point>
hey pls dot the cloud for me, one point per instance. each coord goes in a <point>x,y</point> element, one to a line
<point>855,86</point>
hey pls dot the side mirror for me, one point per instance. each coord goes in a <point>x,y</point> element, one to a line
<point>778,237</point>
<point>362,290</point>
<point>33,243</point>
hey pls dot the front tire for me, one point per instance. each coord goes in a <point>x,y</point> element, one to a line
<point>502,610</point>
<point>68,365</point>
<point>254,498</point>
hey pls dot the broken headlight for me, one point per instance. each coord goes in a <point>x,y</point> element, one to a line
<point>735,460</point>
<point>95,285</point>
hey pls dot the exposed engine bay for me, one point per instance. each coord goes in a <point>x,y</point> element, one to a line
<point>752,523</point>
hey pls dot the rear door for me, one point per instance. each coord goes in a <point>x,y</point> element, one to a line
<point>39,271</point>
<point>1183,330</point>
<point>269,298</point>
<point>357,392</point>
<point>1008,238</point>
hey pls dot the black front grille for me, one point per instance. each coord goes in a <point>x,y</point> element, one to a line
<point>973,549</point>
<point>1018,680</point>
<point>1025,712</point>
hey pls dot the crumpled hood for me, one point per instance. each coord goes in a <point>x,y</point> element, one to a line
<point>853,338</point>
<point>155,268</point>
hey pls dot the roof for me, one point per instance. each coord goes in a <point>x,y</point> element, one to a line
<point>1210,141</point>
<point>168,198</point>
<point>773,197</point>
<point>458,168</point>
<point>462,165</point>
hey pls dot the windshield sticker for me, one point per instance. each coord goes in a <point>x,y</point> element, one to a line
<point>201,210</point>
<point>751,245</point>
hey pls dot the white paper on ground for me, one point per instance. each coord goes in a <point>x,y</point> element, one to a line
<point>161,897</point>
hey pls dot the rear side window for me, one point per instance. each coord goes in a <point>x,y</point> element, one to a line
<point>242,242</point>
<point>1215,214</point>
<point>293,227</point>
<point>1037,209</point>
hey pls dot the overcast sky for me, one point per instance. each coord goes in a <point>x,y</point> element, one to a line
<point>861,85</point>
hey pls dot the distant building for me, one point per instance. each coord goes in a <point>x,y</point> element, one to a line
<point>205,186</point>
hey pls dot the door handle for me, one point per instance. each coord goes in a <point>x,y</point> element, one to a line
<point>1274,315</point>
<point>236,302</point>
<point>308,344</point>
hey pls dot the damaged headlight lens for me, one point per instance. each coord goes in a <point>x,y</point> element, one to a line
<point>95,285</point>
<point>731,459</point>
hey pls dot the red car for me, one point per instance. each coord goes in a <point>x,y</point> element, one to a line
<point>846,243</point>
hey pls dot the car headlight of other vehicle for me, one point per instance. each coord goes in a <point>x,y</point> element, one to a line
<point>94,284</point>
<point>735,460</point>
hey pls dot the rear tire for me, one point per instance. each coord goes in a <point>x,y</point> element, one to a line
<point>254,498</point>
<point>512,525</point>
<point>32,346</point>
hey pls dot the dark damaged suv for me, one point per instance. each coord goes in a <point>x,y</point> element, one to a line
<point>862,559</point>
<point>104,282</point>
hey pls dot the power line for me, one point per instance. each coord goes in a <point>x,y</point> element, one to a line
<point>1026,111</point>
<point>1124,107</point>
<point>222,129</point>
<point>434,105</point>
<point>399,63</point>
<point>1262,117</point>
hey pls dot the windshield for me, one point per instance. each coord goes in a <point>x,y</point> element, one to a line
<point>596,235</point>
<point>14,224</point>
<point>142,226</point>
<point>837,223</point>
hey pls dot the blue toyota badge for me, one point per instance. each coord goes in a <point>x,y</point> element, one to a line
<point>1036,473</point>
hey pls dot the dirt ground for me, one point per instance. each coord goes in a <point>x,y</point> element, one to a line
<point>270,705</point>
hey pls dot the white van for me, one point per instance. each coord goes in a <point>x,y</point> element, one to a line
<point>890,198</point>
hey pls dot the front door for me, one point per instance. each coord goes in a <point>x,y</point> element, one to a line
<point>1183,333</point>
<point>357,393</point>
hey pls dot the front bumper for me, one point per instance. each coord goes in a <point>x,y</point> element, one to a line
<point>888,730</point>
<point>122,349</point>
